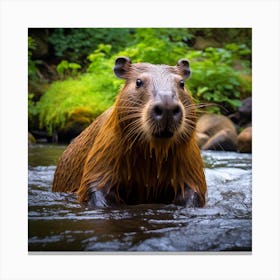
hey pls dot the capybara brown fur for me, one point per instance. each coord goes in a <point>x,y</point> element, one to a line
<point>141,150</point>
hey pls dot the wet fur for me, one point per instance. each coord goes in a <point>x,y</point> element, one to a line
<point>117,157</point>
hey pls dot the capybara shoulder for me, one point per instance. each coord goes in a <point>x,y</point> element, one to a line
<point>141,150</point>
<point>70,166</point>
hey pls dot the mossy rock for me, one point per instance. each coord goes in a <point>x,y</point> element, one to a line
<point>31,139</point>
<point>76,122</point>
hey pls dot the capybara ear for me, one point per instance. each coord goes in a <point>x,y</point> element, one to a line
<point>122,65</point>
<point>184,68</point>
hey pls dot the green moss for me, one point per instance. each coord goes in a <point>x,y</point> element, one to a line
<point>90,93</point>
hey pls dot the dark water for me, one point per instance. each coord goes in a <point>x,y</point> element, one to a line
<point>57,222</point>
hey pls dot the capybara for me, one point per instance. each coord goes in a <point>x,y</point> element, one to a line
<point>141,150</point>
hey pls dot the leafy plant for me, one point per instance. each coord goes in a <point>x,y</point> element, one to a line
<point>32,64</point>
<point>219,75</point>
<point>66,68</point>
<point>224,36</point>
<point>32,110</point>
<point>214,80</point>
<point>77,43</point>
<point>154,46</point>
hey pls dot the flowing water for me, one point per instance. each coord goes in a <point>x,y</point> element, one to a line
<point>57,222</point>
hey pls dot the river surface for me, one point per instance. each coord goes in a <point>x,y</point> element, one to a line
<point>57,222</point>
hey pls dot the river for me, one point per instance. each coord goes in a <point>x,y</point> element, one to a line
<point>57,222</point>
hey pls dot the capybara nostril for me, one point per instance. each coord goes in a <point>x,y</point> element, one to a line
<point>177,113</point>
<point>158,112</point>
<point>169,113</point>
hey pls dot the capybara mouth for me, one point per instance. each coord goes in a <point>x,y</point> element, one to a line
<point>163,134</point>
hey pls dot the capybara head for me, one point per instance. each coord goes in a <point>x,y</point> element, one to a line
<point>143,149</point>
<point>154,105</point>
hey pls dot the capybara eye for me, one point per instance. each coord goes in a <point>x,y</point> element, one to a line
<point>181,84</point>
<point>139,83</point>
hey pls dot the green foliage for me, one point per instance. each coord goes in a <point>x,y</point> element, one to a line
<point>154,46</point>
<point>214,80</point>
<point>32,69</point>
<point>32,110</point>
<point>92,92</point>
<point>32,79</point>
<point>225,36</point>
<point>77,43</point>
<point>99,60</point>
<point>66,68</point>
<point>88,93</point>
<point>219,75</point>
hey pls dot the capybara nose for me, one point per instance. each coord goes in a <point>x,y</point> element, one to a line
<point>167,113</point>
<point>166,116</point>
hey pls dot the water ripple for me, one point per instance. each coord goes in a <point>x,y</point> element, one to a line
<point>57,222</point>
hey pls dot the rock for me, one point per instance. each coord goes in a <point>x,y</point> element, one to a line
<point>245,111</point>
<point>234,117</point>
<point>77,121</point>
<point>201,139</point>
<point>244,140</point>
<point>210,124</point>
<point>224,140</point>
<point>220,130</point>
<point>31,139</point>
<point>243,116</point>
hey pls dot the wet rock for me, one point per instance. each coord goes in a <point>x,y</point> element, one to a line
<point>210,124</point>
<point>224,140</point>
<point>245,110</point>
<point>244,140</point>
<point>201,138</point>
<point>220,130</point>
<point>243,116</point>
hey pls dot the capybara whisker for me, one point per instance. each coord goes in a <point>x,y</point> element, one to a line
<point>132,104</point>
<point>143,149</point>
<point>130,117</point>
